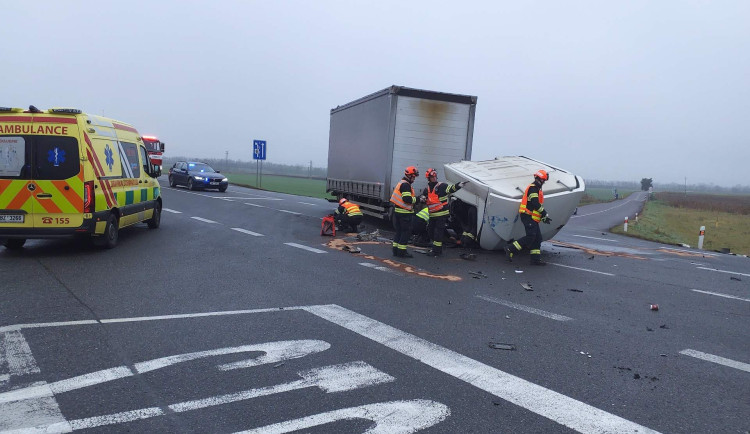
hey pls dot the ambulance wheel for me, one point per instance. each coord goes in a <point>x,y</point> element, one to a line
<point>155,220</point>
<point>190,185</point>
<point>171,182</point>
<point>14,243</point>
<point>111,234</point>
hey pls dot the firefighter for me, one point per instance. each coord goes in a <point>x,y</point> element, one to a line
<point>532,212</point>
<point>403,201</point>
<point>419,222</point>
<point>347,215</point>
<point>437,202</point>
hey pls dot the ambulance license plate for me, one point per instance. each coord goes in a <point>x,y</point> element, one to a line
<point>214,183</point>
<point>11,218</point>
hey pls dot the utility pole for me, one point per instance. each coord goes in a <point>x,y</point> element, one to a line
<point>309,172</point>
<point>226,161</point>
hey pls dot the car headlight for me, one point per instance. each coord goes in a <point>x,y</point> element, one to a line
<point>224,180</point>
<point>198,178</point>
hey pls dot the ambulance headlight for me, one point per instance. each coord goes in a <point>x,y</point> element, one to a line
<point>199,178</point>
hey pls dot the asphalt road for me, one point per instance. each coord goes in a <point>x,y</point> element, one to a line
<point>237,315</point>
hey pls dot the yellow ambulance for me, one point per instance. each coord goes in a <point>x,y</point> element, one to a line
<point>64,172</point>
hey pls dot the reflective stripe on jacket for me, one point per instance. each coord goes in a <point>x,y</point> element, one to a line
<point>351,209</point>
<point>424,214</point>
<point>536,214</point>
<point>398,200</point>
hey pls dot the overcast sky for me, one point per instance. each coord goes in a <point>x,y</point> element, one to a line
<point>609,90</point>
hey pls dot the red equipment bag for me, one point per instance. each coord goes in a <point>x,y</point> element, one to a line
<point>328,226</point>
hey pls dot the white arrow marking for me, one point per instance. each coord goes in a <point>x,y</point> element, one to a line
<point>394,417</point>
<point>335,378</point>
<point>274,352</point>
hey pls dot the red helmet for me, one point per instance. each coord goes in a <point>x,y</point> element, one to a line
<point>541,174</point>
<point>411,171</point>
<point>430,172</point>
<point>342,201</point>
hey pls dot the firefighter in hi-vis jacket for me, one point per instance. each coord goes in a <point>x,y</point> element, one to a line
<point>348,215</point>
<point>532,212</point>
<point>403,201</point>
<point>437,202</point>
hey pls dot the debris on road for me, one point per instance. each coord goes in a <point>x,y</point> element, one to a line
<point>507,316</point>
<point>468,256</point>
<point>636,376</point>
<point>591,257</point>
<point>351,249</point>
<point>278,365</point>
<point>527,286</point>
<point>654,307</point>
<point>649,329</point>
<point>478,274</point>
<point>663,326</point>
<point>519,271</point>
<point>372,236</point>
<point>575,290</point>
<point>735,278</point>
<point>501,346</point>
<point>585,354</point>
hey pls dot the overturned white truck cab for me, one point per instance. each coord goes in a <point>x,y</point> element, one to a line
<point>488,205</point>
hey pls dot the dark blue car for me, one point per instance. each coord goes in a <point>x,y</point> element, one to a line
<point>196,175</point>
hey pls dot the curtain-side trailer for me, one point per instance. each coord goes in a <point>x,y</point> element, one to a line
<point>374,138</point>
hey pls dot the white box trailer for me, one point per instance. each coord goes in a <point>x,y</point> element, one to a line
<point>489,203</point>
<point>373,139</point>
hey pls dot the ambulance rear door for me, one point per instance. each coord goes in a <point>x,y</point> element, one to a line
<point>16,206</point>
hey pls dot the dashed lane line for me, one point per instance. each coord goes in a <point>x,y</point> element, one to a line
<point>245,231</point>
<point>528,309</point>
<point>721,295</point>
<point>171,210</point>
<point>595,238</point>
<point>289,212</point>
<point>376,267</point>
<point>201,219</point>
<point>581,269</point>
<point>717,359</point>
<point>256,205</point>
<point>309,249</point>
<point>723,271</point>
<point>306,203</point>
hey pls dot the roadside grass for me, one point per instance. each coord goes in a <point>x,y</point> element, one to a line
<point>282,184</point>
<point>671,225</point>
<point>601,195</point>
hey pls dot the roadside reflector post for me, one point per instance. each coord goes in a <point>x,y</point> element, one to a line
<point>636,217</point>
<point>700,237</point>
<point>626,225</point>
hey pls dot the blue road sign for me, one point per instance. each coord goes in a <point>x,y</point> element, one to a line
<point>259,149</point>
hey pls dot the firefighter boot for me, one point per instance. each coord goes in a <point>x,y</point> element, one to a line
<point>395,251</point>
<point>509,253</point>
<point>537,260</point>
<point>405,254</point>
<point>436,251</point>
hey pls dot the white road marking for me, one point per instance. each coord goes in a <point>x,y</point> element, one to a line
<point>306,203</point>
<point>721,295</point>
<point>394,417</point>
<point>231,198</point>
<point>309,249</point>
<point>555,406</point>
<point>262,198</point>
<point>581,269</point>
<point>16,355</point>
<point>547,403</point>
<point>203,220</point>
<point>595,238</point>
<point>723,271</point>
<point>245,231</point>
<point>47,324</point>
<point>171,210</point>
<point>33,404</point>
<point>226,199</point>
<point>253,204</point>
<point>625,201</point>
<point>331,379</point>
<point>702,252</point>
<point>290,212</point>
<point>717,359</point>
<point>528,309</point>
<point>376,266</point>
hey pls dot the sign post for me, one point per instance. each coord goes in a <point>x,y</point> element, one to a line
<point>259,154</point>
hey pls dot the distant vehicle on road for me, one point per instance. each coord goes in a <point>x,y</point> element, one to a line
<point>196,175</point>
